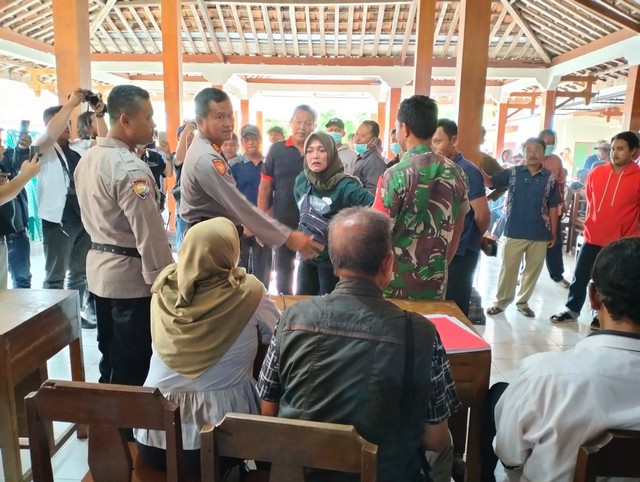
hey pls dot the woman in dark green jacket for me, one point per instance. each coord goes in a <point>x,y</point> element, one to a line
<point>322,190</point>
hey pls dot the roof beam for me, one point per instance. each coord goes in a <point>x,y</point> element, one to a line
<point>102,14</point>
<point>610,13</point>
<point>212,33</point>
<point>522,23</point>
<point>300,3</point>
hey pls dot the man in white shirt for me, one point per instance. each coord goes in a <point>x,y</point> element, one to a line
<point>561,400</point>
<point>65,241</point>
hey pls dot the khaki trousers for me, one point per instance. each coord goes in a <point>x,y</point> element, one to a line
<point>534,253</point>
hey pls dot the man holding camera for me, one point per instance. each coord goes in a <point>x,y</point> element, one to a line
<point>65,241</point>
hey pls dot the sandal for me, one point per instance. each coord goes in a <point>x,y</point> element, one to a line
<point>494,310</point>
<point>562,317</point>
<point>528,312</point>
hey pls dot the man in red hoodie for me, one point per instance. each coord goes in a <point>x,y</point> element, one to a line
<point>613,212</point>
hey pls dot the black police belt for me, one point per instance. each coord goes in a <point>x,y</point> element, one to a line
<point>110,248</point>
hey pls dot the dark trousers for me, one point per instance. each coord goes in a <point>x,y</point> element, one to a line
<point>256,259</point>
<point>157,458</point>
<point>285,264</point>
<point>460,280</point>
<point>488,456</point>
<point>582,276</point>
<point>316,279</point>
<point>124,339</point>
<point>555,262</point>
<point>19,258</point>
<point>65,255</point>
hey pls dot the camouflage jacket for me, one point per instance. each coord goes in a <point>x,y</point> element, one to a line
<point>424,194</point>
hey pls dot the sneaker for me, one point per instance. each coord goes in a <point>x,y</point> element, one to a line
<point>595,324</point>
<point>563,317</point>
<point>86,324</point>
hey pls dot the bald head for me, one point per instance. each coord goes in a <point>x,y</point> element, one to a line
<point>359,241</point>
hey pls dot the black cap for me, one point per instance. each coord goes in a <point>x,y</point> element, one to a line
<point>335,122</point>
<point>276,129</point>
<point>249,130</point>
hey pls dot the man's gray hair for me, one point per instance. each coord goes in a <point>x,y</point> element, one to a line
<point>365,242</point>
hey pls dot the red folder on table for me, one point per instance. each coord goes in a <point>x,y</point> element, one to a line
<point>456,336</point>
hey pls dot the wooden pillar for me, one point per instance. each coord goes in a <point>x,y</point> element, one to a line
<point>425,30</point>
<point>72,50</point>
<point>394,104</point>
<point>548,109</point>
<point>172,83</point>
<point>244,113</point>
<point>471,74</point>
<point>382,122</point>
<point>260,122</point>
<point>503,110</point>
<point>631,117</point>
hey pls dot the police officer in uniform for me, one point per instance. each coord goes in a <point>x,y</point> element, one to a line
<point>207,186</point>
<point>119,203</point>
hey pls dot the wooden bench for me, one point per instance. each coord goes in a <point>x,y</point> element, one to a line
<point>290,446</point>
<point>106,409</point>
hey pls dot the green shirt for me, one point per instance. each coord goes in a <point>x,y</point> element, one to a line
<point>347,193</point>
<point>424,193</point>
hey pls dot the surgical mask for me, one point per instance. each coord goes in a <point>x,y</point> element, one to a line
<point>395,148</point>
<point>336,136</point>
<point>549,150</point>
<point>360,148</point>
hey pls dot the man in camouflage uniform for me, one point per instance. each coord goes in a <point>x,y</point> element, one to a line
<point>426,195</point>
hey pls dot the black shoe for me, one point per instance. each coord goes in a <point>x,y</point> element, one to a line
<point>86,324</point>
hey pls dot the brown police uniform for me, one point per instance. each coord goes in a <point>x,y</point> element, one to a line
<point>119,207</point>
<point>208,190</point>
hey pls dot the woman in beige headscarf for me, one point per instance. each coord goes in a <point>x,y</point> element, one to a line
<point>207,316</point>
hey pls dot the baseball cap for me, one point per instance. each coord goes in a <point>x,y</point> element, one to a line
<point>335,122</point>
<point>249,130</point>
<point>276,129</point>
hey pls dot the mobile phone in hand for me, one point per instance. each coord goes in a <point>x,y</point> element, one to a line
<point>24,127</point>
<point>34,151</point>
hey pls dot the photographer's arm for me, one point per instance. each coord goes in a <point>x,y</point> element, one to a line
<point>60,121</point>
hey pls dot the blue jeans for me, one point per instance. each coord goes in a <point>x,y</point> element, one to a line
<point>181,228</point>
<point>19,259</point>
<point>555,262</point>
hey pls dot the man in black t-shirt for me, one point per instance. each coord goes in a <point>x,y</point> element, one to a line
<point>284,162</point>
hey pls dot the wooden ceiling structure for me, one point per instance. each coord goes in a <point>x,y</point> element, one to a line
<point>378,33</point>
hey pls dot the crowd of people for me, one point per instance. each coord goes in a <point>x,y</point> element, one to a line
<point>366,228</point>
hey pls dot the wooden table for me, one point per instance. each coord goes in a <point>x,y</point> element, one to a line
<point>471,372</point>
<point>34,326</point>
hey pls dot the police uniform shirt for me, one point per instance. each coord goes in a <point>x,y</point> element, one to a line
<point>208,190</point>
<point>119,202</point>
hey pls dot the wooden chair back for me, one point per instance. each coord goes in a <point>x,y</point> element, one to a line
<point>576,219</point>
<point>106,409</point>
<point>615,454</point>
<point>290,446</point>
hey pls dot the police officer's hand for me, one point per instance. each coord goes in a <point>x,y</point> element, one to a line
<point>304,244</point>
<point>31,168</point>
<point>25,141</point>
<point>77,97</point>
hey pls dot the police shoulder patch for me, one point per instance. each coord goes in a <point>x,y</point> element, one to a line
<point>141,188</point>
<point>220,166</point>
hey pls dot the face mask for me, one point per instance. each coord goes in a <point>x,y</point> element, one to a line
<point>549,150</point>
<point>336,136</point>
<point>360,148</point>
<point>396,148</point>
